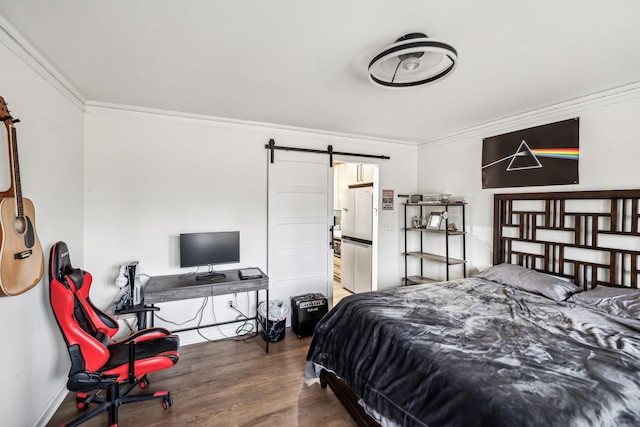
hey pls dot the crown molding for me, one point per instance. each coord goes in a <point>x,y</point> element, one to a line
<point>558,111</point>
<point>13,40</point>
<point>121,110</point>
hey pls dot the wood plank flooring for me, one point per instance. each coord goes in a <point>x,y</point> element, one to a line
<point>231,383</point>
<point>339,292</point>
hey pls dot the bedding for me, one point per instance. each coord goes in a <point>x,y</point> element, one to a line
<point>473,352</point>
<point>618,301</point>
<point>556,288</point>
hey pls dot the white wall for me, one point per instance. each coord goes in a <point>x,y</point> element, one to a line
<point>152,176</point>
<point>34,361</point>
<point>609,152</point>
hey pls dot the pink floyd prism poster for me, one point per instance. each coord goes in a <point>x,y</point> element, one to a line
<point>541,155</point>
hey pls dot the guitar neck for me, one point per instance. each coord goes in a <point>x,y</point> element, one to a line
<point>16,172</point>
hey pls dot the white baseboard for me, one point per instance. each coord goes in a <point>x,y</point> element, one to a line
<point>53,405</point>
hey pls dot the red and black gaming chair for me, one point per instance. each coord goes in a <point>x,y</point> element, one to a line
<point>97,362</point>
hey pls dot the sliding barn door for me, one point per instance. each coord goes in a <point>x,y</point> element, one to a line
<point>300,220</point>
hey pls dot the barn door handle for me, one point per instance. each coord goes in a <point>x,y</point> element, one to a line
<point>331,234</point>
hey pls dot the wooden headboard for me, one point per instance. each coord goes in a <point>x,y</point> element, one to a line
<point>590,237</point>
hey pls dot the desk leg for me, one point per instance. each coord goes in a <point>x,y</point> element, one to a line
<point>153,323</point>
<point>259,324</point>
<point>142,320</point>
<point>267,321</point>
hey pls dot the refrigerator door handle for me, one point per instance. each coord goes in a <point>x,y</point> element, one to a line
<point>356,243</point>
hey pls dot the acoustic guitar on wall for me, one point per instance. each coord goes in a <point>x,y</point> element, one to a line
<point>21,258</point>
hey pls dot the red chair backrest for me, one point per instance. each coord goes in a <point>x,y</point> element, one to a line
<point>81,323</point>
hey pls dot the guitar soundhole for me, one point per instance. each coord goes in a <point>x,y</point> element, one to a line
<point>20,225</point>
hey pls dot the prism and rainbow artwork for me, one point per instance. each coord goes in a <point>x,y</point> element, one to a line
<point>542,155</point>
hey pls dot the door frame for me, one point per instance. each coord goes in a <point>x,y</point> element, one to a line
<point>376,215</point>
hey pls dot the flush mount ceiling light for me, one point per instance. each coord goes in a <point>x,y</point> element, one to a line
<point>412,60</point>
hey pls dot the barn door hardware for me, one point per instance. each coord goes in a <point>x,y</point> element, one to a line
<point>271,146</point>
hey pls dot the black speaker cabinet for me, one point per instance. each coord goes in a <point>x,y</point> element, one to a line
<point>306,312</point>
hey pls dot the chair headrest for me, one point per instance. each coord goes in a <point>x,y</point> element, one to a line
<point>60,262</point>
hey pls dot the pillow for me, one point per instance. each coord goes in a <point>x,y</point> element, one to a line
<point>623,302</point>
<point>553,287</point>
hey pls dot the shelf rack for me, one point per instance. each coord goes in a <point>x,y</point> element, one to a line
<point>435,257</point>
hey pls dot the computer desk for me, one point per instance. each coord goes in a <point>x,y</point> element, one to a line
<point>178,287</point>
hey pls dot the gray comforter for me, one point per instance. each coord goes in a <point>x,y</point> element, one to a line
<point>473,352</point>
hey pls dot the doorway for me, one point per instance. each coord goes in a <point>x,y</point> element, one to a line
<point>355,228</point>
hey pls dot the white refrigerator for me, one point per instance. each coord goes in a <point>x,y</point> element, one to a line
<point>357,232</point>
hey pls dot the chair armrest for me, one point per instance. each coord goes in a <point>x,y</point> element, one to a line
<point>86,381</point>
<point>147,334</point>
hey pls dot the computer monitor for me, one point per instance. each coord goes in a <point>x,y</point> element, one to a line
<point>199,249</point>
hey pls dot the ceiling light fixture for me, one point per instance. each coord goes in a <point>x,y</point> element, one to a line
<point>412,60</point>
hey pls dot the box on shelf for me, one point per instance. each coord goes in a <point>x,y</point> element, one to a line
<point>435,198</point>
<point>456,199</point>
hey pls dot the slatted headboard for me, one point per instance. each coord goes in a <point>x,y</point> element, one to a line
<point>591,237</point>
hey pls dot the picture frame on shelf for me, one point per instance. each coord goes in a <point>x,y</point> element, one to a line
<point>435,219</point>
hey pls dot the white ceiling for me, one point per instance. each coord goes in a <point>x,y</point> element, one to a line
<point>304,64</point>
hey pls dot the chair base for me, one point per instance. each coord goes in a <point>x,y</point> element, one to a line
<point>115,398</point>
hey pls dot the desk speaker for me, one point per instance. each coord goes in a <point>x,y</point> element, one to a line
<point>306,312</point>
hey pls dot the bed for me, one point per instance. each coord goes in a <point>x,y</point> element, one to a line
<point>547,336</point>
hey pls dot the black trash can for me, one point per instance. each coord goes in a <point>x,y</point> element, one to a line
<point>277,322</point>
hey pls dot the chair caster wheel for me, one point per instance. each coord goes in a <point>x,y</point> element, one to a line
<point>167,402</point>
<point>144,383</point>
<point>81,403</point>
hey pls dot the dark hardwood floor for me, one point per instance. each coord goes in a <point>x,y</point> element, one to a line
<point>231,383</point>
